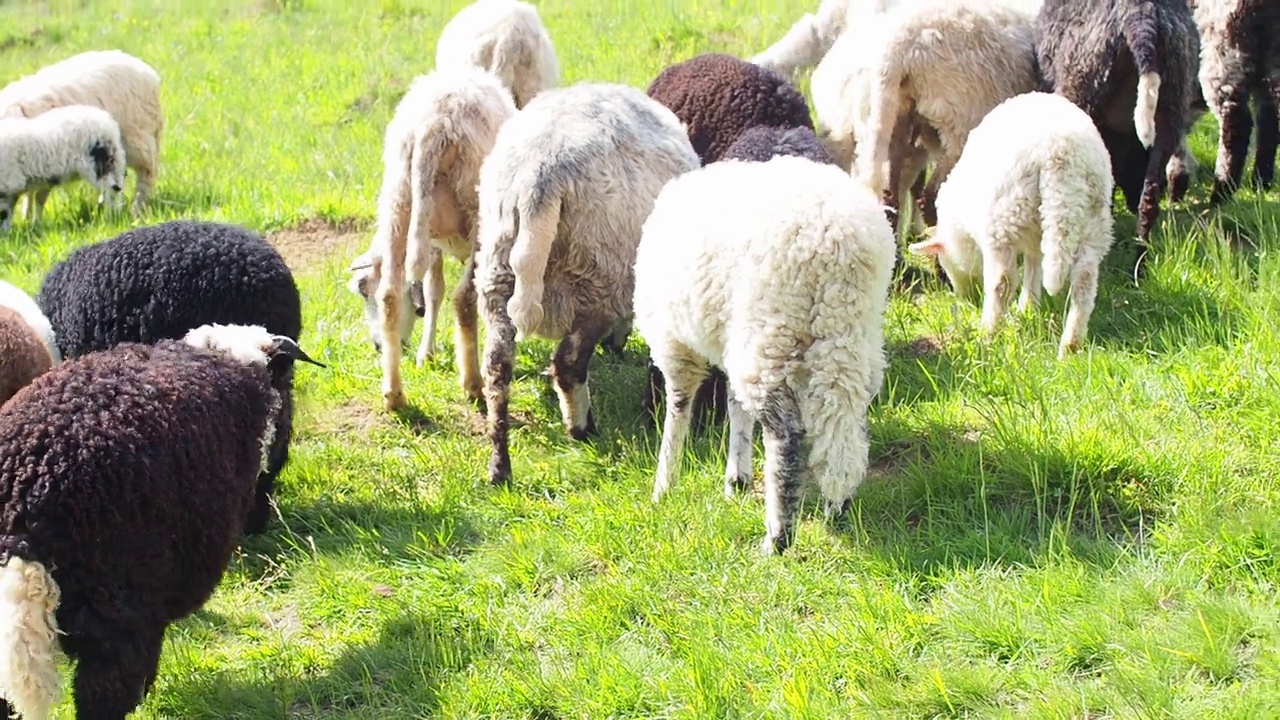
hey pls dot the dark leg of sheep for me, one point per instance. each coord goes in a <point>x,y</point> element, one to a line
<point>1268,122</point>
<point>114,674</point>
<point>466,343</point>
<point>1153,187</point>
<point>1233,144</point>
<point>1128,165</point>
<point>277,456</point>
<point>710,402</point>
<point>784,467</point>
<point>499,355</point>
<point>569,369</point>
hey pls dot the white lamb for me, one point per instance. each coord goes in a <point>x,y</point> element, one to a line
<point>563,197</point>
<point>778,273</point>
<point>505,37</point>
<point>1034,180</point>
<point>943,64</point>
<point>443,128</point>
<point>115,81</point>
<point>39,153</point>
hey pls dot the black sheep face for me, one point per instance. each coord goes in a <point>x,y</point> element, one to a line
<point>366,273</point>
<point>108,170</point>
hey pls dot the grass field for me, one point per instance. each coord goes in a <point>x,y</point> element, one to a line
<point>1095,538</point>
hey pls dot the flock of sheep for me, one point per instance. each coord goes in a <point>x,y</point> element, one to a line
<point>147,388</point>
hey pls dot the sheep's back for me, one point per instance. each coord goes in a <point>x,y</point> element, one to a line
<point>132,470</point>
<point>23,355</point>
<point>160,281</point>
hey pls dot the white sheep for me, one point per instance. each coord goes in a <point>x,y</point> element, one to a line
<point>443,128</point>
<point>943,64</point>
<point>778,273</point>
<point>505,37</point>
<point>113,80</point>
<point>39,153</point>
<point>563,197</point>
<point>1034,180</point>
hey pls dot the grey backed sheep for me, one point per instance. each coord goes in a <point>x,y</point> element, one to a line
<point>1034,180</point>
<point>1131,65</point>
<point>56,147</point>
<point>718,97</point>
<point>778,273</point>
<point>160,281</point>
<point>563,196</point>
<point>1239,58</point>
<point>758,144</point>
<point>27,349</point>
<point>129,474</point>
<point>121,84</point>
<point>442,130</point>
<point>505,37</point>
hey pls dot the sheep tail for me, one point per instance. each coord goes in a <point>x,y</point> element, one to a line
<point>29,677</point>
<point>423,166</point>
<point>537,224</point>
<point>884,106</point>
<point>1142,34</point>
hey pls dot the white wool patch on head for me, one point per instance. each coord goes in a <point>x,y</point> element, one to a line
<point>246,344</point>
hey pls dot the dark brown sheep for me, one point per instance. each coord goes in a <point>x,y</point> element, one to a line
<point>23,355</point>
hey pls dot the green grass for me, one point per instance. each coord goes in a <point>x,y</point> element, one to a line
<point>1091,538</point>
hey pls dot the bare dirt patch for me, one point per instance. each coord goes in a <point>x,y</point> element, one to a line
<point>305,245</point>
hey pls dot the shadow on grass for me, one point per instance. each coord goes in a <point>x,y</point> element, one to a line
<point>943,497</point>
<point>399,674</point>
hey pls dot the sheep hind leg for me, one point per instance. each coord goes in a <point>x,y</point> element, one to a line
<point>738,472</point>
<point>569,370</point>
<point>784,466</point>
<point>427,296</point>
<point>1268,124</point>
<point>1235,127</point>
<point>1031,279</point>
<point>499,356</point>
<point>997,270</point>
<point>142,157</point>
<point>35,204</point>
<point>114,674</point>
<point>683,371</point>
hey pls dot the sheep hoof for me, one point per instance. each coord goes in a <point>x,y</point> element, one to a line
<point>737,484</point>
<point>499,471</point>
<point>1178,188</point>
<point>775,545</point>
<point>587,432</point>
<point>394,400</point>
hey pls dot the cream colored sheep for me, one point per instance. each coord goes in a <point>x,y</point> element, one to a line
<point>113,80</point>
<point>505,37</point>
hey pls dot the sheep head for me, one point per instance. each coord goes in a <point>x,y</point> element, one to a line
<point>366,275</point>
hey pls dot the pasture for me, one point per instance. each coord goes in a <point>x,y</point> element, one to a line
<point>1093,538</point>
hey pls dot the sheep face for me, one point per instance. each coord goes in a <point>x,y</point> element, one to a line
<point>106,168</point>
<point>366,273</point>
<point>959,257</point>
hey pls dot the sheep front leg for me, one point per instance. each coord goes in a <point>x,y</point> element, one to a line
<point>1032,263</point>
<point>738,471</point>
<point>499,356</point>
<point>569,369</point>
<point>997,273</point>
<point>115,671</point>
<point>1084,289</point>
<point>682,372</point>
<point>1268,123</point>
<point>1235,128</point>
<point>466,334</point>
<point>427,299</point>
<point>784,466</point>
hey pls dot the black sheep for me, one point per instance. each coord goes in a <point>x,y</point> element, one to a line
<point>158,282</point>
<point>756,144</point>
<point>127,477</point>
<point>1131,65</point>
<point>718,97</point>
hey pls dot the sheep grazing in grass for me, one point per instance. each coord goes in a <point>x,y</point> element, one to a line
<point>718,97</point>
<point>505,37</point>
<point>115,81</point>
<point>758,144</point>
<point>563,196</point>
<point>778,273</point>
<point>1240,57</point>
<point>27,349</point>
<point>129,474</point>
<point>1131,66</point>
<point>159,282</point>
<point>65,143</point>
<point>942,65</point>
<point>440,134</point>
<point>1034,180</point>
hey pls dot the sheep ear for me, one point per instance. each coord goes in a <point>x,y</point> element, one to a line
<point>284,346</point>
<point>932,246</point>
<point>363,262</point>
